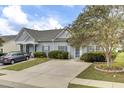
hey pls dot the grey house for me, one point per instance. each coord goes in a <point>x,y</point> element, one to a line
<point>48,40</point>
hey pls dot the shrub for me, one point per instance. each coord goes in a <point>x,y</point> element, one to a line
<point>93,57</point>
<point>114,54</point>
<point>96,57</point>
<point>39,54</point>
<point>58,54</point>
<point>121,50</point>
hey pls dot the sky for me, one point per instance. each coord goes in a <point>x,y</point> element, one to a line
<point>44,17</point>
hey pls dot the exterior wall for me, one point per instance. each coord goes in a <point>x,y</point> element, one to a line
<point>54,46</point>
<point>85,49</point>
<point>10,46</point>
<point>70,49</point>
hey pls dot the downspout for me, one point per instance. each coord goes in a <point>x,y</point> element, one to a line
<point>53,44</point>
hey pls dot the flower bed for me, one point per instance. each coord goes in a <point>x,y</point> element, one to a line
<point>112,68</point>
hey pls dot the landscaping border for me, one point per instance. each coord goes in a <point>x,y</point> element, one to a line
<point>109,71</point>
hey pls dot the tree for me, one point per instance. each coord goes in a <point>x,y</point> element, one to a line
<point>102,25</point>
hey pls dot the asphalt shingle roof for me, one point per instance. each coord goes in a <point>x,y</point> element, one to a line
<point>43,35</point>
<point>8,37</point>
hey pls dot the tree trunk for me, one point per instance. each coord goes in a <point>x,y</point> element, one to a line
<point>108,58</point>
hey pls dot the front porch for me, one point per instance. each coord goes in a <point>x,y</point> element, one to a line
<point>28,48</point>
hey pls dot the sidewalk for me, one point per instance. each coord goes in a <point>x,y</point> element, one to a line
<point>11,84</point>
<point>97,83</point>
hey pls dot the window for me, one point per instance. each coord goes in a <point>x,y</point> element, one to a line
<point>90,48</point>
<point>77,52</point>
<point>62,48</point>
<point>45,48</point>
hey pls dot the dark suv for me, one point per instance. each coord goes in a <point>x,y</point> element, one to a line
<point>13,57</point>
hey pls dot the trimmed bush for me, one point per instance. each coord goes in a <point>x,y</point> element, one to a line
<point>58,54</point>
<point>40,54</point>
<point>96,57</point>
<point>93,57</point>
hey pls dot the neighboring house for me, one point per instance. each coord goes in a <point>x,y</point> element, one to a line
<point>48,40</point>
<point>9,44</point>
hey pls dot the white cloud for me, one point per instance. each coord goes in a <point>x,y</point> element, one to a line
<point>5,28</point>
<point>15,14</point>
<point>46,23</point>
<point>70,6</point>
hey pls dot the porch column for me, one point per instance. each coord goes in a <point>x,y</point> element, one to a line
<point>21,47</point>
<point>24,47</point>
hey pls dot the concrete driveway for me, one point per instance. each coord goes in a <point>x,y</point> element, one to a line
<point>54,73</point>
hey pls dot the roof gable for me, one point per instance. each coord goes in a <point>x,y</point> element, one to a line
<point>25,37</point>
<point>43,35</point>
<point>62,36</point>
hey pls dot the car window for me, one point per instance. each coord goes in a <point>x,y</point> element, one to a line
<point>8,54</point>
<point>20,54</point>
<point>14,54</point>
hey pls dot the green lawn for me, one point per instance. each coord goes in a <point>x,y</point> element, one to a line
<point>24,65</point>
<point>120,57</point>
<point>79,86</point>
<point>119,60</point>
<point>91,73</point>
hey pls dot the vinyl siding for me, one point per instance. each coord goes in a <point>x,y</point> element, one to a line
<point>10,46</point>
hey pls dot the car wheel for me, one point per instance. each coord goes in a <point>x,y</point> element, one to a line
<point>12,61</point>
<point>27,58</point>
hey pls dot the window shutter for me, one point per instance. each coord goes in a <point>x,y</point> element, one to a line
<point>48,48</point>
<point>42,48</point>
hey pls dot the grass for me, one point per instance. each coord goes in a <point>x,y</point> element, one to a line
<point>79,86</point>
<point>24,65</point>
<point>91,73</point>
<point>119,60</point>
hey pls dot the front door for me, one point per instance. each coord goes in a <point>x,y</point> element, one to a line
<point>27,48</point>
<point>31,48</point>
<point>77,52</point>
